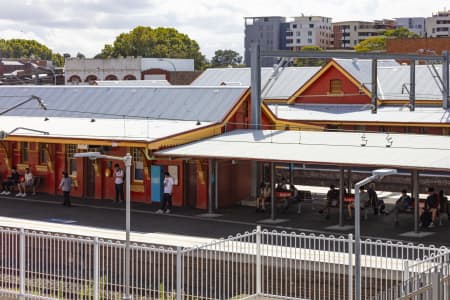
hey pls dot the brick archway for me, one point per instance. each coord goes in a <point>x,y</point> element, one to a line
<point>156,72</point>
<point>129,77</point>
<point>75,79</point>
<point>90,78</point>
<point>111,77</point>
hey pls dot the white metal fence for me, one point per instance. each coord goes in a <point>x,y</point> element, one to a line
<point>424,279</point>
<point>268,263</point>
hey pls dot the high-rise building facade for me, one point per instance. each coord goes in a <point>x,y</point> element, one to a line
<point>310,31</point>
<point>269,32</point>
<point>348,34</point>
<point>416,24</point>
<point>438,25</point>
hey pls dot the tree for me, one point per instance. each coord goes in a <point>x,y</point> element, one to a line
<point>21,48</point>
<point>224,58</point>
<point>374,43</point>
<point>80,55</point>
<point>400,32</point>
<point>378,43</point>
<point>158,42</point>
<point>310,62</point>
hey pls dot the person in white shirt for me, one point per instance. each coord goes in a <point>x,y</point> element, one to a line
<point>118,181</point>
<point>27,181</point>
<point>166,204</point>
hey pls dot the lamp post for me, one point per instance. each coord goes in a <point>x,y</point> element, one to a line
<point>127,160</point>
<point>173,66</point>
<point>376,175</point>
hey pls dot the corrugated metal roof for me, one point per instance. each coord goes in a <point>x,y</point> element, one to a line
<point>210,104</point>
<point>360,113</point>
<point>282,86</point>
<point>132,83</point>
<point>393,83</point>
<point>110,129</point>
<point>229,76</point>
<point>425,152</point>
<point>289,81</point>
<point>392,77</point>
<point>361,69</point>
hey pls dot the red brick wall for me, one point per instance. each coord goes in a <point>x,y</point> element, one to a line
<point>413,45</point>
<point>318,91</point>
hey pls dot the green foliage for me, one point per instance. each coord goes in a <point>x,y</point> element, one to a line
<point>58,59</point>
<point>21,48</point>
<point>309,62</point>
<point>375,43</point>
<point>401,32</point>
<point>158,42</point>
<point>224,58</point>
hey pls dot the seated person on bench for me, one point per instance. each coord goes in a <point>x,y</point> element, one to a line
<point>363,199</point>
<point>332,201</point>
<point>28,181</point>
<point>431,206</point>
<point>403,204</point>
<point>12,180</point>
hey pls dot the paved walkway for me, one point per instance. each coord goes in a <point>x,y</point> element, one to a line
<point>188,221</point>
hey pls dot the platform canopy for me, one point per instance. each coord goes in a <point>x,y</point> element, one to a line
<point>408,151</point>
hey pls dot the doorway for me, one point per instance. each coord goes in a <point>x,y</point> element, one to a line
<point>190,184</point>
<point>89,179</point>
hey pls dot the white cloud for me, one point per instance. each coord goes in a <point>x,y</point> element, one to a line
<point>86,25</point>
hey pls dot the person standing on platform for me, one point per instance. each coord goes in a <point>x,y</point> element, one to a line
<point>166,204</point>
<point>66,186</point>
<point>118,181</point>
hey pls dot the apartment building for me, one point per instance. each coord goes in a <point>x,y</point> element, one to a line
<point>348,34</point>
<point>269,32</point>
<point>438,25</point>
<point>415,24</point>
<point>310,31</point>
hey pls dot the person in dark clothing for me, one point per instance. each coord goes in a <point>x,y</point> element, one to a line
<point>332,201</point>
<point>432,205</point>
<point>12,180</point>
<point>443,203</point>
<point>404,203</point>
<point>377,204</point>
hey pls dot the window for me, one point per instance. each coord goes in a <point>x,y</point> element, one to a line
<point>298,41</point>
<point>309,33</point>
<point>24,150</point>
<point>294,25</point>
<point>43,158</point>
<point>309,41</point>
<point>335,86</point>
<point>298,33</point>
<point>71,161</point>
<point>311,25</point>
<point>138,165</point>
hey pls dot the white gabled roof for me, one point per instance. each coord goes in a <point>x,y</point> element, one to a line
<point>139,130</point>
<point>424,152</point>
<point>393,78</point>
<point>360,113</point>
<point>280,85</point>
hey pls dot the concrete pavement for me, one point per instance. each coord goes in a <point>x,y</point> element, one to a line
<point>188,221</point>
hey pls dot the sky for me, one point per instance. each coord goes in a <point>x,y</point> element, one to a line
<point>85,26</point>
